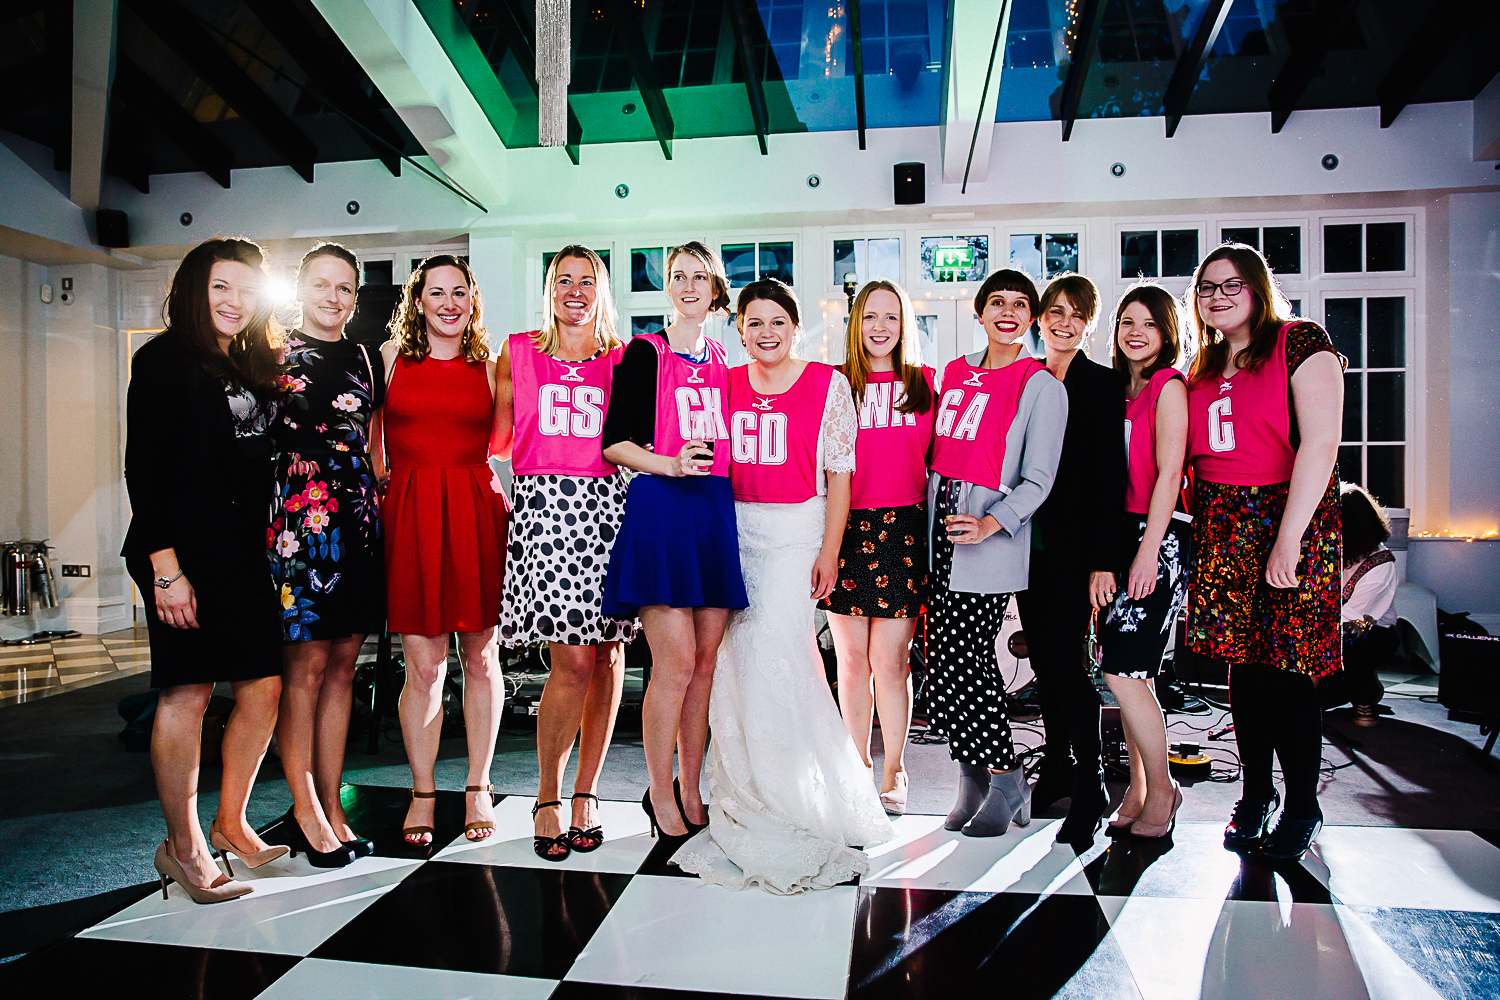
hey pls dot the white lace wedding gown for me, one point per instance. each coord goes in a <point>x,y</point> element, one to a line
<point>790,801</point>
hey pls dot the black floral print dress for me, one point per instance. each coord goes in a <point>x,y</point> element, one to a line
<point>324,539</point>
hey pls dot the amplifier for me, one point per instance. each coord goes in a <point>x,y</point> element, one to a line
<point>1470,681</point>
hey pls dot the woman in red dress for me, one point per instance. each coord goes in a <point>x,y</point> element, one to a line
<point>445,520</point>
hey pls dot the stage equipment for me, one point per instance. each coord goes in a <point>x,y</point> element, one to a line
<point>911,183</point>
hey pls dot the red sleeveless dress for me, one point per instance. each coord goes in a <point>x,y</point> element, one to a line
<point>444,526</point>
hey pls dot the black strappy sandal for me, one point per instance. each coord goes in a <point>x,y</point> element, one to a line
<point>550,848</point>
<point>584,841</point>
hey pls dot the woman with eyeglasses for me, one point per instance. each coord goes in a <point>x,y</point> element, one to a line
<point>1265,402</point>
<point>554,390</point>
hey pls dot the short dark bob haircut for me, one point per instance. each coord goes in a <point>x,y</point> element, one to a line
<point>1007,280</point>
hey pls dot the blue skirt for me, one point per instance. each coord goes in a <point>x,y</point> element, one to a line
<point>678,546</point>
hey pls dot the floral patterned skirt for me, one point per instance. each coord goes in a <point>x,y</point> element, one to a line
<point>325,548</point>
<point>882,563</point>
<point>1133,633</point>
<point>1233,614</point>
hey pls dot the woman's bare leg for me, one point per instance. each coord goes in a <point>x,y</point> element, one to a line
<point>421,711</point>
<point>692,744</point>
<point>600,709</point>
<point>557,720</point>
<point>246,737</point>
<point>332,728</point>
<point>176,743</point>
<point>672,637</point>
<point>304,671</point>
<point>484,699</point>
<point>851,641</point>
<point>890,662</point>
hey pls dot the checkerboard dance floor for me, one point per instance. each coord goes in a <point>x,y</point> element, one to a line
<point>1372,912</point>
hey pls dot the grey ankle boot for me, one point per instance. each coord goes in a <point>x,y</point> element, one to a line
<point>973,780</point>
<point>1009,799</point>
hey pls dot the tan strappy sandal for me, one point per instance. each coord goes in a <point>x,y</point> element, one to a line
<point>412,834</point>
<point>472,828</point>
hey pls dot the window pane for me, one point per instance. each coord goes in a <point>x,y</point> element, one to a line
<point>1387,406</point>
<point>1179,252</point>
<point>1341,318</point>
<point>1249,235</point>
<point>1351,468</point>
<point>546,263</point>
<point>647,324</point>
<point>1283,249</point>
<point>928,325</point>
<point>776,261</point>
<point>1387,479</point>
<point>1138,255</point>
<point>885,260</point>
<point>1386,329</point>
<point>379,272</point>
<point>1062,253</point>
<point>739,263</point>
<point>1385,246</point>
<point>646,270</point>
<point>1341,249</point>
<point>1296,305</point>
<point>1026,254</point>
<point>604,259</point>
<point>1354,407</point>
<point>846,260</point>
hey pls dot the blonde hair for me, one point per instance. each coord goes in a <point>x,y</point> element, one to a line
<point>409,330</point>
<point>606,325</point>
<point>906,359</point>
<point>710,260</point>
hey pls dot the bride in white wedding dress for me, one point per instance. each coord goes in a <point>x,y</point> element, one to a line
<point>791,802</point>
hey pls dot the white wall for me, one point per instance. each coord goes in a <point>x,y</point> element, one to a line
<point>1474,362</point>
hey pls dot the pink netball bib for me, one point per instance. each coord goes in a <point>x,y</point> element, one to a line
<point>890,454</point>
<point>774,439</point>
<point>1239,428</point>
<point>559,407</point>
<point>1140,442</point>
<point>690,398</point>
<point>974,415</point>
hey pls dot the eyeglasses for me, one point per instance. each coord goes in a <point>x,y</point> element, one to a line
<point>1231,288</point>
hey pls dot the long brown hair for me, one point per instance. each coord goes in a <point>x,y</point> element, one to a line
<point>1164,309</point>
<point>1269,309</point>
<point>408,328</point>
<point>252,360</point>
<point>547,338</point>
<point>906,359</point>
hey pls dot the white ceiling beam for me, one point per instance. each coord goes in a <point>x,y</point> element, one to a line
<point>977,31</point>
<point>398,50</point>
<point>1487,122</point>
<point>94,29</point>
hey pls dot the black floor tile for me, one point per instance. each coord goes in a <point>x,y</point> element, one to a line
<point>376,813</point>
<point>480,918</point>
<point>27,930</point>
<point>659,860</point>
<point>87,967</point>
<point>609,991</point>
<point>1493,836</point>
<point>931,943</point>
<point>1458,953</point>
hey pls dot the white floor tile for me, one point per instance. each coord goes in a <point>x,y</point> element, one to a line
<point>626,844</point>
<point>318,979</point>
<point>294,908</point>
<point>677,933</point>
<point>1387,977</point>
<point>1026,859</point>
<point>1184,949</point>
<point>1416,869</point>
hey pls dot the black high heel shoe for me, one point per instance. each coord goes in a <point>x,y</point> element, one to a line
<point>656,830</point>
<point>292,836</point>
<point>550,848</point>
<point>1248,824</point>
<point>581,840</point>
<point>1291,838</point>
<point>361,847</point>
<point>693,828</point>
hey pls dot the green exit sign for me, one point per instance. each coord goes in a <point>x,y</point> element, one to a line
<point>958,258</point>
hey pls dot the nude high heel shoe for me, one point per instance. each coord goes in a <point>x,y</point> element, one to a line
<point>252,859</point>
<point>171,870</point>
<point>894,800</point>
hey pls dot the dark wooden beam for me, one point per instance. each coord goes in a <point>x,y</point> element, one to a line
<point>196,47</point>
<point>332,76</point>
<point>516,35</point>
<point>26,85</point>
<point>740,13</point>
<point>857,64</point>
<point>128,158</point>
<point>151,103</point>
<point>628,33</point>
<point>1306,59</point>
<point>1085,41</point>
<point>1427,48</point>
<point>1190,64</point>
<point>14,10</point>
<point>59,29</point>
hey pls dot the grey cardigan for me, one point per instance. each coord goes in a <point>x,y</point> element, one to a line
<point>1001,564</point>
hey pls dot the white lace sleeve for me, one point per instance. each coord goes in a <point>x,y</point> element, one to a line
<point>840,426</point>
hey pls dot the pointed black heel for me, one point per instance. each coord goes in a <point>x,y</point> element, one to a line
<point>693,828</point>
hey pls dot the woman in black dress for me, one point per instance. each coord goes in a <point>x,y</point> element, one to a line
<point>326,553</point>
<point>198,469</point>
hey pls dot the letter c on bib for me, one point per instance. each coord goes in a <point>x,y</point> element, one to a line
<point>1220,430</point>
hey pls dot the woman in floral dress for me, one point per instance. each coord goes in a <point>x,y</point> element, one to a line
<point>325,547</point>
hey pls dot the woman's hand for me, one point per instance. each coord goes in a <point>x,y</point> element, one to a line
<point>825,574</point>
<point>302,467</point>
<point>1101,588</point>
<point>966,529</point>
<point>1281,568</point>
<point>177,606</point>
<point>1143,573</point>
<point>692,460</point>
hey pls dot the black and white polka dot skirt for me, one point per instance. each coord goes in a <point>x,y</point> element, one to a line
<point>966,692</point>
<point>561,534</point>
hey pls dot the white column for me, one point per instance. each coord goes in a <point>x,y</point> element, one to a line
<point>94,24</point>
<point>971,87</point>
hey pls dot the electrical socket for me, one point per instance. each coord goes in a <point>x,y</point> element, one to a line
<point>75,569</point>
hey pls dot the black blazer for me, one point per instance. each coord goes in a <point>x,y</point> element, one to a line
<point>193,486</point>
<point>1080,519</point>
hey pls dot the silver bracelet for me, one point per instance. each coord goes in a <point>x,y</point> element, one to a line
<point>163,582</point>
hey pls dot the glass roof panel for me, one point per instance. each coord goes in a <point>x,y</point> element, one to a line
<point>1139,44</point>
<point>1036,61</point>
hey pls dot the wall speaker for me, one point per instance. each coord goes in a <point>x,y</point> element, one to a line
<point>113,228</point>
<point>911,183</point>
